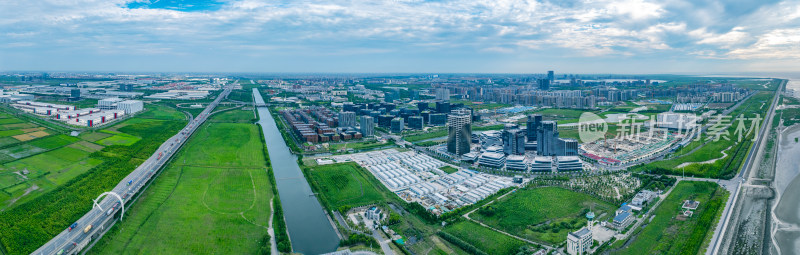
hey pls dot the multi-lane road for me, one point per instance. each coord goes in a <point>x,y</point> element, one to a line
<point>94,223</point>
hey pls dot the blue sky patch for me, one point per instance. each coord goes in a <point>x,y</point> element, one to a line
<point>177,5</point>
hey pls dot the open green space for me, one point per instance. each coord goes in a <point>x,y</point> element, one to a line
<point>343,185</point>
<point>448,169</point>
<point>52,142</point>
<point>202,205</point>
<point>118,139</point>
<point>236,116</point>
<point>487,240</point>
<point>66,173</point>
<point>669,234</point>
<point>708,147</point>
<point>161,112</point>
<point>358,146</point>
<point>426,135</point>
<point>555,212</point>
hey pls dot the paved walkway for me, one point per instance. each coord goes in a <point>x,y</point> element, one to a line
<point>271,231</point>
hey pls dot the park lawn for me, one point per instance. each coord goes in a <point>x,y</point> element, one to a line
<point>52,142</point>
<point>203,206</point>
<point>557,205</point>
<point>235,116</point>
<point>667,235</point>
<point>483,238</point>
<point>343,185</point>
<point>118,138</point>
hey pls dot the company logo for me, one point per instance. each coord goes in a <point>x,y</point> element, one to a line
<point>591,127</point>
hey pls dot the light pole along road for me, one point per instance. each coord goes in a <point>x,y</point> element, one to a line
<point>94,223</point>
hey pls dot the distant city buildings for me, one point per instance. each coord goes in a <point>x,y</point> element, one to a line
<point>443,94</point>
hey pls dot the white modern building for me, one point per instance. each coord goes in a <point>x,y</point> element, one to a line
<point>492,159</point>
<point>542,164</point>
<point>579,242</point>
<point>568,163</point>
<point>516,163</point>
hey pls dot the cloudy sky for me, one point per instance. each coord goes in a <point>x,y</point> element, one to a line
<point>486,36</point>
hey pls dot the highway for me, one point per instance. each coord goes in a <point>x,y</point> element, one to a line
<point>74,240</point>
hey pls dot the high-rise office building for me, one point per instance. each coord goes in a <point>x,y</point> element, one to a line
<point>443,107</point>
<point>551,76</point>
<point>415,122</point>
<point>437,119</point>
<point>397,125</point>
<point>385,121</point>
<point>513,140</point>
<point>544,84</point>
<point>546,138</point>
<point>534,124</point>
<point>459,132</point>
<point>422,106</point>
<point>443,94</point>
<point>347,119</point>
<point>367,126</point>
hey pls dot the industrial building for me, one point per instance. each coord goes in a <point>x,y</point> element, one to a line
<point>180,95</point>
<point>130,106</point>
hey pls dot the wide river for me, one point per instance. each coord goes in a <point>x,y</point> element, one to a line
<point>309,228</point>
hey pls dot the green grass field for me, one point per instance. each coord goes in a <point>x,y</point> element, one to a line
<point>668,235</point>
<point>563,209</point>
<point>161,112</point>
<point>212,199</point>
<point>483,238</point>
<point>67,173</point>
<point>448,169</point>
<point>118,139</point>
<point>343,184</point>
<point>235,116</point>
